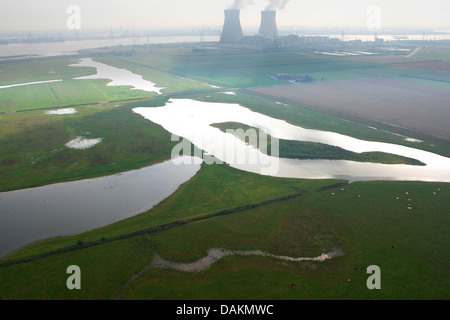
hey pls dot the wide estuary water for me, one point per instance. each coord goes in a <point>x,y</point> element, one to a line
<point>71,47</point>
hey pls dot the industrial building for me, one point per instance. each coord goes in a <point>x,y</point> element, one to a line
<point>268,29</point>
<point>232,30</point>
<point>267,36</point>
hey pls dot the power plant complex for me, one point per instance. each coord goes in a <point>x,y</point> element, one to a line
<point>267,36</point>
<point>232,29</point>
<point>268,29</point>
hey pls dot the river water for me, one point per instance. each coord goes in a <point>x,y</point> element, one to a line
<point>119,77</point>
<point>74,207</point>
<point>192,120</point>
<point>71,47</point>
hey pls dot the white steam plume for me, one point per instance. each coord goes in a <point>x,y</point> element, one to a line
<point>276,5</point>
<point>241,4</point>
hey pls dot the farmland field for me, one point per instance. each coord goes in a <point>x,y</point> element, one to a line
<point>420,108</point>
<point>435,65</point>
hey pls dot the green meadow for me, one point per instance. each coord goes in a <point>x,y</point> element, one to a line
<point>33,151</point>
<point>220,207</point>
<point>69,92</point>
<point>363,219</point>
<point>433,52</point>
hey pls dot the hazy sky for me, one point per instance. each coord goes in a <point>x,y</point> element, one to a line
<point>49,15</point>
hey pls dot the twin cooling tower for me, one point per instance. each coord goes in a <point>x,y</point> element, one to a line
<point>232,30</point>
<point>268,28</point>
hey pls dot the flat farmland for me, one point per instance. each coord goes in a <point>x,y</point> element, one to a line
<point>381,59</point>
<point>418,107</point>
<point>435,65</point>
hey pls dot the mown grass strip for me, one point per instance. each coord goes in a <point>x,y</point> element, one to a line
<point>82,104</point>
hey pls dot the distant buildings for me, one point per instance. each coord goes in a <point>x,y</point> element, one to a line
<point>267,36</point>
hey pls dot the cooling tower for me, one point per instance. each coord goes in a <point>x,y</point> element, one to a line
<point>232,30</point>
<point>268,27</point>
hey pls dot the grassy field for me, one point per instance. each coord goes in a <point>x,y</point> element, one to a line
<point>241,68</point>
<point>251,68</point>
<point>33,152</point>
<point>216,188</point>
<point>65,93</point>
<point>433,52</point>
<point>13,72</point>
<point>305,227</point>
<point>364,220</point>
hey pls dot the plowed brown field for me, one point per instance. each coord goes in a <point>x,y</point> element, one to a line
<point>414,106</point>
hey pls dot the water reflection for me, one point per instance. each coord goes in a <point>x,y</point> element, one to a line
<point>119,77</point>
<point>192,119</point>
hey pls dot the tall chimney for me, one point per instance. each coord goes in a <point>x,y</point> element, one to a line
<point>232,30</point>
<point>268,27</point>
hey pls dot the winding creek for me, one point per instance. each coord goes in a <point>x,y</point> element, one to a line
<point>215,254</point>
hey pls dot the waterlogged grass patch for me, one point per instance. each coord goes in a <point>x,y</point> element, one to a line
<point>81,143</point>
<point>62,112</point>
